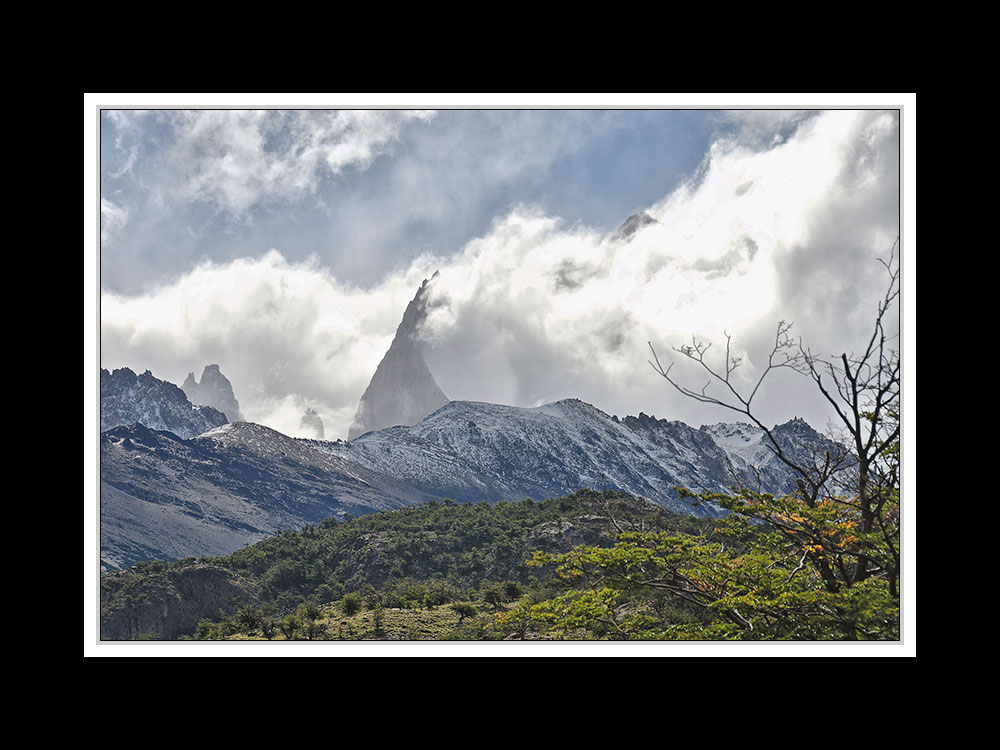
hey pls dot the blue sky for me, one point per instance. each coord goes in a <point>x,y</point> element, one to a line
<point>285,244</point>
<point>433,183</point>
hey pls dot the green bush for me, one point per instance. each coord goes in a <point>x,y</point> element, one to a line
<point>351,604</point>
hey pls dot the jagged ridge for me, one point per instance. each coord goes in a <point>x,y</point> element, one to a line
<point>479,451</point>
<point>127,398</point>
<point>214,390</point>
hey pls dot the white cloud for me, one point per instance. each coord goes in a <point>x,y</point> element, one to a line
<point>277,329</point>
<point>128,163</point>
<point>113,219</point>
<point>236,159</point>
<point>534,310</point>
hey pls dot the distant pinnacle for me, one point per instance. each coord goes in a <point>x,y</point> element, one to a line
<point>215,390</point>
<point>402,391</point>
<point>312,424</point>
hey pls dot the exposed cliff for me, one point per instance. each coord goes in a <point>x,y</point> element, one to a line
<point>159,602</point>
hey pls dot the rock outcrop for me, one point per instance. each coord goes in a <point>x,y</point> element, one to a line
<point>170,602</point>
<point>214,390</point>
<point>402,391</point>
<point>127,398</point>
<point>633,224</point>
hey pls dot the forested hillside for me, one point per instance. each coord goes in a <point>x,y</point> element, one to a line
<point>590,565</point>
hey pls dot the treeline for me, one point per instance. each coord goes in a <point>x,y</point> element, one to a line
<point>434,554</point>
<point>461,545</point>
<point>591,565</point>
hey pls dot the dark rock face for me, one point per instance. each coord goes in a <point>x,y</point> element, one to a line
<point>172,604</point>
<point>402,391</point>
<point>127,398</point>
<point>214,390</point>
<point>633,224</point>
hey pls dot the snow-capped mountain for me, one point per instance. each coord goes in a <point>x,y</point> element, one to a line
<point>127,398</point>
<point>209,495</point>
<point>754,459</point>
<point>479,451</point>
<point>214,390</point>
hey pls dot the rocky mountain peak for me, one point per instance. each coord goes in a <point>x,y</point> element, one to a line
<point>796,425</point>
<point>214,390</point>
<point>402,391</point>
<point>127,398</point>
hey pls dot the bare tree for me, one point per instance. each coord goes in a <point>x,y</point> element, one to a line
<point>864,390</point>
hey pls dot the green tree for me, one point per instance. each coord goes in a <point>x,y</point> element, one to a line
<point>464,610</point>
<point>378,620</point>
<point>291,627</point>
<point>248,618</point>
<point>307,611</point>
<point>492,594</point>
<point>350,604</point>
<point>512,590</point>
<point>740,581</point>
<point>267,626</point>
<point>375,603</point>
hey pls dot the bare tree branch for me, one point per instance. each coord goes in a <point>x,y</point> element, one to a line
<point>863,389</point>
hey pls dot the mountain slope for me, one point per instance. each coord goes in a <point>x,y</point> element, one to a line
<point>167,498</point>
<point>463,544</point>
<point>164,497</point>
<point>754,460</point>
<point>127,398</point>
<point>479,451</point>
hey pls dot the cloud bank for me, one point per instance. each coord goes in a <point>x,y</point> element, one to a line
<point>367,191</point>
<point>785,227</point>
<point>236,159</point>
